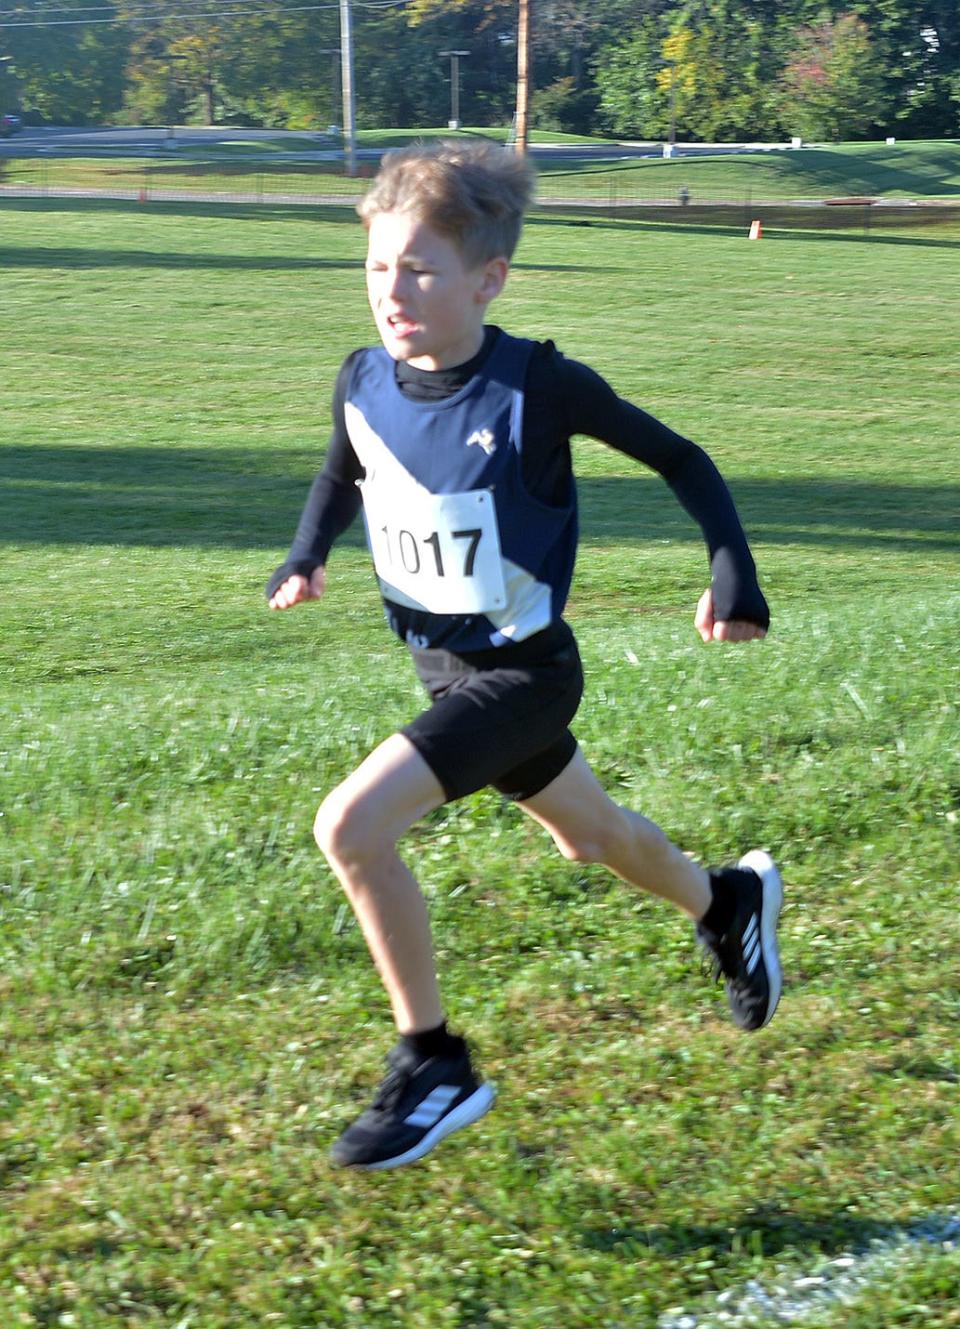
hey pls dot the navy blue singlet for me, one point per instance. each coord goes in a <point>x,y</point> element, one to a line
<point>467,560</point>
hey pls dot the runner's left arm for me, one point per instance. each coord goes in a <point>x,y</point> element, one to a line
<point>584,403</point>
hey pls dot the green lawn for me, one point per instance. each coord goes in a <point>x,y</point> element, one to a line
<point>211,174</point>
<point>187,1013</point>
<point>905,170</point>
<point>921,170</point>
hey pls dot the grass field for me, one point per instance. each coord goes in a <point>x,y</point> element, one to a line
<point>912,170</point>
<point>905,170</point>
<point>187,1013</point>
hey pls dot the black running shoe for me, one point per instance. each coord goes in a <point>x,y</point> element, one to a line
<point>417,1104</point>
<point>746,956</point>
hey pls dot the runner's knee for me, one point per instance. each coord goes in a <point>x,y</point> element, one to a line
<point>587,844</point>
<point>342,829</point>
<point>583,849</point>
<point>597,841</point>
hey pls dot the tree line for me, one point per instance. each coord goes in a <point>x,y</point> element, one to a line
<point>705,69</point>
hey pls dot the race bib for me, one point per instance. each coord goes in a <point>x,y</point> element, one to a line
<point>441,551</point>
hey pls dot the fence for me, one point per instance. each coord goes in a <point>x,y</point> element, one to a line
<point>315,183</point>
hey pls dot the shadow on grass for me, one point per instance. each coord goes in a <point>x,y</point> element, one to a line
<point>251,498</point>
<point>795,174</point>
<point>877,172</point>
<point>765,1232</point>
<point>216,209</point>
<point>806,510</point>
<point>780,223</point>
<point>225,167</point>
<point>771,1231</point>
<point>810,227</point>
<point>86,259</point>
<point>81,260</point>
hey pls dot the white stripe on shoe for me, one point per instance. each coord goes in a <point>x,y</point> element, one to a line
<point>750,941</point>
<point>470,1110</point>
<point>760,862</point>
<point>428,1112</point>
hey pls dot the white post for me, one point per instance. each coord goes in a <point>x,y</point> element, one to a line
<point>346,78</point>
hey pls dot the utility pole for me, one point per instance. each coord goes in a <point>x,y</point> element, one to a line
<point>523,74</point>
<point>346,79</point>
<point>455,57</point>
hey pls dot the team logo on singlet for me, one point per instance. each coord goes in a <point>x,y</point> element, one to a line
<point>484,437</point>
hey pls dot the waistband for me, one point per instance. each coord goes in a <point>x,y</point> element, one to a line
<point>541,646</point>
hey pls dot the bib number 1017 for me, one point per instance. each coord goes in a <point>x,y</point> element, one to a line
<point>441,551</point>
<point>408,550</point>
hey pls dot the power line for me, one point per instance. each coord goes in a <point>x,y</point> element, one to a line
<point>26,12</point>
<point>161,17</point>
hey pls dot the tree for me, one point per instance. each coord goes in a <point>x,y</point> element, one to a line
<point>745,56</point>
<point>734,68</point>
<point>172,74</point>
<point>568,36</point>
<point>9,85</point>
<point>632,104</point>
<point>281,70</point>
<point>255,69</point>
<point>68,72</point>
<point>407,77</point>
<point>710,65</point>
<point>691,79</point>
<point>833,85</point>
<point>917,46</point>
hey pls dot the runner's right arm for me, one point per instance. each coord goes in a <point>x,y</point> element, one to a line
<point>331,506</point>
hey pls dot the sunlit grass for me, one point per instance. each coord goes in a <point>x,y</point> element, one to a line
<point>921,170</point>
<point>187,1011</point>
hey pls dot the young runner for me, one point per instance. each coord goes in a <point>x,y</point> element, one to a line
<point>455,437</point>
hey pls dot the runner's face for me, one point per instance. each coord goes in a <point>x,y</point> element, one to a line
<point>427,304</point>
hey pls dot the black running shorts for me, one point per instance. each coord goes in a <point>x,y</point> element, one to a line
<point>500,717</point>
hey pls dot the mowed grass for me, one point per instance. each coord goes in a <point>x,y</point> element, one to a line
<point>903,171</point>
<point>213,174</point>
<point>187,1012</point>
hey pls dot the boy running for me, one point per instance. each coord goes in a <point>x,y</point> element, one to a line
<point>455,437</point>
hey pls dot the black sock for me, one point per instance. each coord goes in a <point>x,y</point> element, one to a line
<point>437,1042</point>
<point>723,906</point>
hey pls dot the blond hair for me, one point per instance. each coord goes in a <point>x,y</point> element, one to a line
<point>473,193</point>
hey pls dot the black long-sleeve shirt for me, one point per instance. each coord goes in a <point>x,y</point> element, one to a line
<point>562,398</point>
